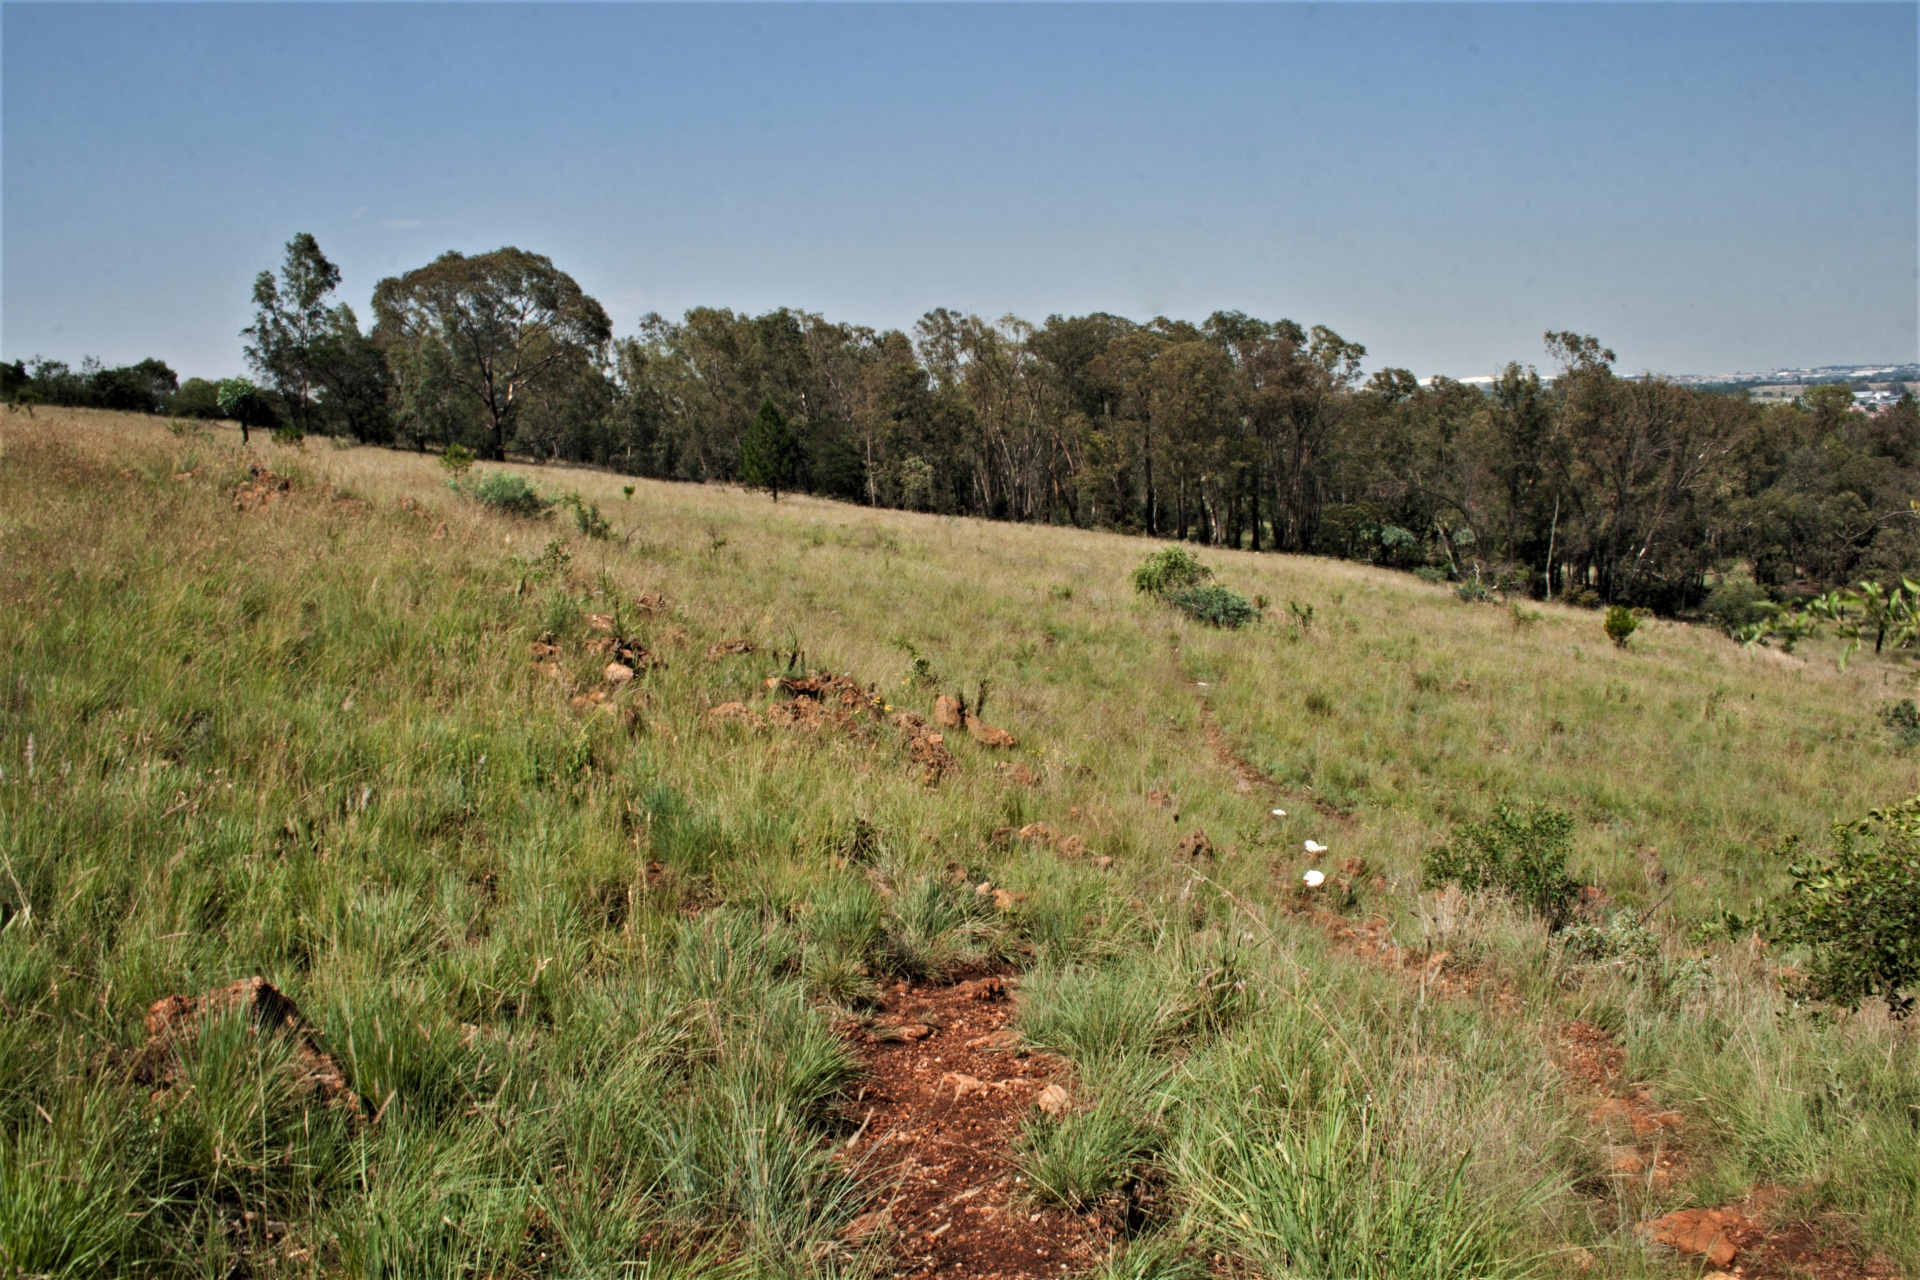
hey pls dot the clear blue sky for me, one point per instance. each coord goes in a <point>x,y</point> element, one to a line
<point>1704,187</point>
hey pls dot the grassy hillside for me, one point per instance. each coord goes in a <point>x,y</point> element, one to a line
<point>600,969</point>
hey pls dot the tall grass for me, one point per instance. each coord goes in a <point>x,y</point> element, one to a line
<point>582,964</point>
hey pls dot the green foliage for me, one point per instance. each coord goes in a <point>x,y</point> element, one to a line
<point>1867,612</point>
<point>1078,1159</point>
<point>505,493</point>
<point>1620,624</point>
<point>1736,604</point>
<point>1328,1191</point>
<point>1856,911</point>
<point>769,455</point>
<point>1474,591</point>
<point>1902,720</point>
<point>457,459</point>
<point>1168,570</point>
<point>1215,605</point>
<point>587,518</point>
<point>1521,853</point>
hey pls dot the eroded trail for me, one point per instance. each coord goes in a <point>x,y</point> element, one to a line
<point>946,1093</point>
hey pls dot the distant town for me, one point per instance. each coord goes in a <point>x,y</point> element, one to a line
<point>1875,386</point>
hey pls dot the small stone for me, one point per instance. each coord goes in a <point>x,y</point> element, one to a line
<point>1053,1100</point>
<point>618,673</point>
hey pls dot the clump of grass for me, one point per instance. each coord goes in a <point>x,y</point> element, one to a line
<point>1519,852</point>
<point>1080,1158</point>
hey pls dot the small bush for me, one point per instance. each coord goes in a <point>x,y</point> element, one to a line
<point>1522,854</point>
<point>457,459</point>
<point>1857,912</point>
<point>1168,570</point>
<point>1215,605</point>
<point>1735,605</point>
<point>1473,591</point>
<point>506,493</point>
<point>1902,720</point>
<point>1620,624</point>
<point>587,518</point>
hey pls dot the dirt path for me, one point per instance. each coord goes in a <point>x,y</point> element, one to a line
<point>946,1094</point>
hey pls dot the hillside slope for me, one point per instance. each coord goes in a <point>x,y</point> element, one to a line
<point>599,951</point>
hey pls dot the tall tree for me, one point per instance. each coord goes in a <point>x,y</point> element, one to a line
<point>290,320</point>
<point>769,454</point>
<point>507,319</point>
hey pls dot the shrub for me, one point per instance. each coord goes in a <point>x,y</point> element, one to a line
<point>587,518</point>
<point>1168,570</point>
<point>506,493</point>
<point>1620,624</point>
<point>457,459</point>
<point>1857,912</point>
<point>1735,604</point>
<point>1215,605</point>
<point>1902,720</point>
<point>1522,854</point>
<point>1473,591</point>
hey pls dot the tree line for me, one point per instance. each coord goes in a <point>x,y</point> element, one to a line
<point>1577,484</point>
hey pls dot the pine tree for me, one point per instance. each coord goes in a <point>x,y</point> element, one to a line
<point>770,454</point>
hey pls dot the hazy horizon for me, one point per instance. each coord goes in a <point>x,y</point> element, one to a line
<point>1706,188</point>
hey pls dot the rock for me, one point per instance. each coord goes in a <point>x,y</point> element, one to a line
<point>602,622</point>
<point>738,712</point>
<point>949,712</point>
<point>1195,846</point>
<point>1627,1160</point>
<point>1004,900</point>
<point>914,1031</point>
<point>1704,1232</point>
<point>618,673</point>
<point>174,1020</point>
<point>1053,1100</point>
<point>989,736</point>
<point>983,989</point>
<point>729,648</point>
<point>963,1084</point>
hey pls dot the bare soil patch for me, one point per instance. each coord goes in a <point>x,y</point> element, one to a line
<point>947,1090</point>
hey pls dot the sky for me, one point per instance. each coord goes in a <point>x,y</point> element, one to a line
<point>1706,188</point>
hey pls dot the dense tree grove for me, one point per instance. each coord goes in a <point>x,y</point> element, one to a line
<point>1579,484</point>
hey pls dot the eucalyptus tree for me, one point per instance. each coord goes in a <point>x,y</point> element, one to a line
<point>291,319</point>
<point>506,321</point>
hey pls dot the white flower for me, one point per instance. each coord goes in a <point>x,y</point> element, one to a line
<point>1315,879</point>
<point>1314,846</point>
<point>1279,813</point>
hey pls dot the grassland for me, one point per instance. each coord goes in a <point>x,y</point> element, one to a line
<point>587,965</point>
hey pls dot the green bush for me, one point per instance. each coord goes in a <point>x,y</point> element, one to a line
<point>1902,720</point>
<point>1857,912</point>
<point>1522,854</point>
<point>457,458</point>
<point>1735,605</point>
<point>587,518</point>
<point>1168,570</point>
<point>1620,624</point>
<point>506,493</point>
<point>1215,605</point>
